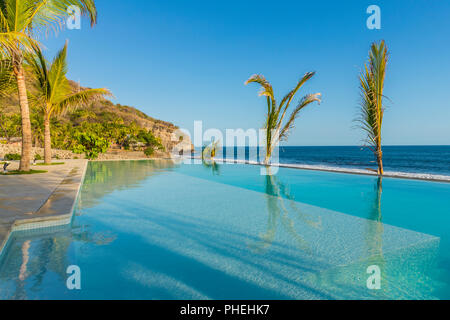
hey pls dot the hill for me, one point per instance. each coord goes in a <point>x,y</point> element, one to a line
<point>102,112</point>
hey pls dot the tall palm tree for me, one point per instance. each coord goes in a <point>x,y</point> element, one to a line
<point>276,129</point>
<point>54,93</point>
<point>372,107</point>
<point>19,22</point>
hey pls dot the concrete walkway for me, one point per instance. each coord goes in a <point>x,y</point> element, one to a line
<point>39,200</point>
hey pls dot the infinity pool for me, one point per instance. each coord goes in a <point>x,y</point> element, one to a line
<point>159,230</point>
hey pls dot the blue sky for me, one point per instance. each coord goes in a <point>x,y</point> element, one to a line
<point>183,61</point>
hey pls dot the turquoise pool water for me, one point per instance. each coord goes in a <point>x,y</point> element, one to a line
<point>156,230</point>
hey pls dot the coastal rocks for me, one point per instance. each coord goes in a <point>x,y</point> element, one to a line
<point>168,137</point>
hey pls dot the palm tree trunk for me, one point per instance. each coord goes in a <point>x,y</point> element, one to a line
<point>25,113</point>
<point>267,157</point>
<point>47,140</point>
<point>268,147</point>
<point>380,161</point>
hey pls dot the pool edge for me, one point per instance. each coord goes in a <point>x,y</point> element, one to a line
<point>339,170</point>
<point>47,218</point>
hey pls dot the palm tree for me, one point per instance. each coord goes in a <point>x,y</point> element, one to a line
<point>372,107</point>
<point>19,21</point>
<point>54,93</point>
<point>276,129</point>
<point>210,150</point>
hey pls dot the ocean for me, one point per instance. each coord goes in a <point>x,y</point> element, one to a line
<point>407,160</point>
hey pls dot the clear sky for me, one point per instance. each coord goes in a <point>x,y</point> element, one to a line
<point>187,60</point>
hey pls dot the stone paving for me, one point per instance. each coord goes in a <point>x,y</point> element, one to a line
<point>39,200</point>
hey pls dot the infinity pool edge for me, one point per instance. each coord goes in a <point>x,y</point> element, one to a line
<point>57,209</point>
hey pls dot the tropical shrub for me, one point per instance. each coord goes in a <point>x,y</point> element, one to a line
<point>12,156</point>
<point>91,144</point>
<point>149,151</point>
<point>66,134</point>
<point>149,139</point>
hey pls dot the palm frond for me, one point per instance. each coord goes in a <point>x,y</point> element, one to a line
<point>267,91</point>
<point>266,87</point>
<point>305,101</point>
<point>371,80</point>
<point>7,80</point>
<point>31,16</point>
<point>37,64</point>
<point>57,80</point>
<point>274,127</point>
<point>288,98</point>
<point>50,14</point>
<point>53,91</point>
<point>371,113</point>
<point>83,97</point>
<point>12,41</point>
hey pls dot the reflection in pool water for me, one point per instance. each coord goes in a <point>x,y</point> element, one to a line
<point>157,230</point>
<point>276,192</point>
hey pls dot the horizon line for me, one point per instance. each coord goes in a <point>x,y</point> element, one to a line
<point>359,146</point>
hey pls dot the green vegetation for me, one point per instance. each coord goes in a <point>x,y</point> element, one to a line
<point>372,107</point>
<point>54,95</point>
<point>149,151</point>
<point>12,157</point>
<point>90,143</point>
<point>19,172</point>
<point>55,112</point>
<point>21,20</point>
<point>276,129</point>
<point>85,131</point>
<point>10,126</point>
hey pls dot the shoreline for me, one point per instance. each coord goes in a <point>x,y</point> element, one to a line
<point>388,174</point>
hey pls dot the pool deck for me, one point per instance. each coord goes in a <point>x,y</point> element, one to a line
<point>39,200</point>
